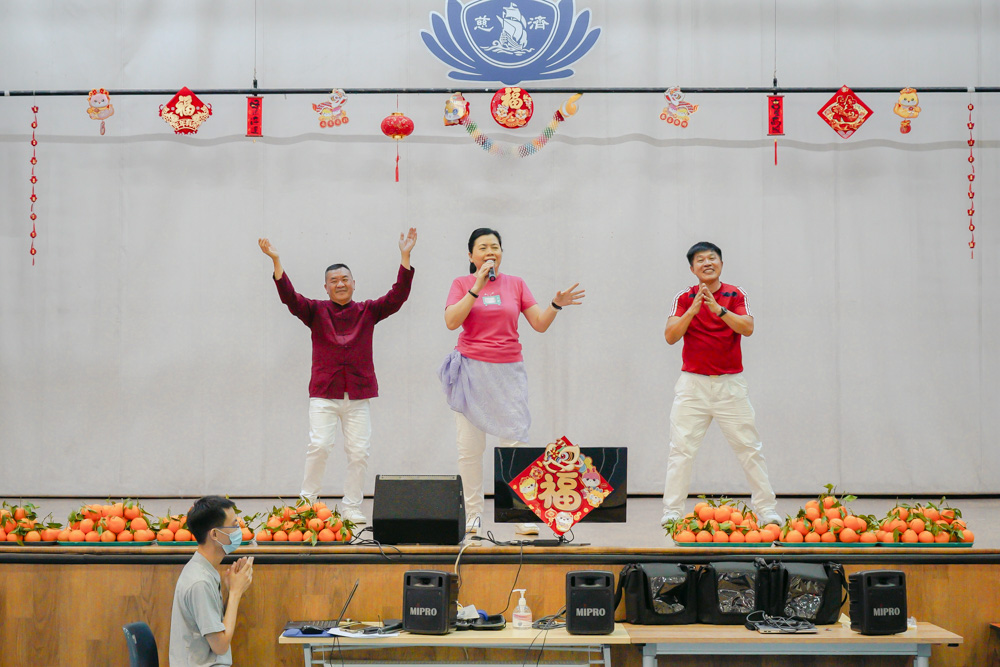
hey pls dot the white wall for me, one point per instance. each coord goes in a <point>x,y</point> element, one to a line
<point>147,353</point>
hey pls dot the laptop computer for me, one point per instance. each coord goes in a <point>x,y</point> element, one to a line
<point>325,625</point>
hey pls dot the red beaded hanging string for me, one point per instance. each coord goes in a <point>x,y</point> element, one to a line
<point>34,179</point>
<point>972,177</point>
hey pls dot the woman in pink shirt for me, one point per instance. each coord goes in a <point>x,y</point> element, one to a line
<point>484,376</point>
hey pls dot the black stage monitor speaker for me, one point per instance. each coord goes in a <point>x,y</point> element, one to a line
<point>430,602</point>
<point>590,602</point>
<point>878,602</point>
<point>418,509</point>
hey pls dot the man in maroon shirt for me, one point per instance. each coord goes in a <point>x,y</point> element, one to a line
<point>343,373</point>
<point>711,317</point>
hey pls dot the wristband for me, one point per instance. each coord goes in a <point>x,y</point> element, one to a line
<point>474,295</point>
<point>723,311</point>
<point>556,306</point>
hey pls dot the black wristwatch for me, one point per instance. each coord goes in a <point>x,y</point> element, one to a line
<point>723,311</point>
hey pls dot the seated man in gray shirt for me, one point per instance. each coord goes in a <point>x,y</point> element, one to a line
<point>201,624</point>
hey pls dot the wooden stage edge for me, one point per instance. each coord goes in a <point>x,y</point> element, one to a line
<point>83,595</point>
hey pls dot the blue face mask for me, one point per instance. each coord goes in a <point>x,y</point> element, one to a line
<point>235,540</point>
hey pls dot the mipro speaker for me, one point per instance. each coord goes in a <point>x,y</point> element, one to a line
<point>418,509</point>
<point>590,602</point>
<point>878,602</point>
<point>430,602</point>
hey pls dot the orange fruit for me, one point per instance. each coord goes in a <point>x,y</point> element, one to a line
<point>942,537</point>
<point>901,511</point>
<point>703,536</point>
<point>165,535</point>
<point>925,536</point>
<point>64,536</point>
<point>848,535</point>
<point>828,537</point>
<point>50,534</point>
<point>967,535</point>
<point>173,526</point>
<point>183,535</point>
<point>720,536</point>
<point>931,514</point>
<point>288,526</point>
<point>125,536</point>
<point>736,517</point>
<point>93,536</point>
<point>706,512</point>
<point>295,536</point>
<point>737,536</point>
<point>723,513</point>
<point>76,536</point>
<point>948,515</point>
<point>769,533</point>
<point>315,524</point>
<point>263,536</point>
<point>107,536</point>
<point>19,513</point>
<point>752,537</point>
<point>33,536</point>
<point>958,524</point>
<point>853,522</point>
<point>287,512</point>
<point>247,535</point>
<point>145,535</point>
<point>681,536</point>
<point>280,536</point>
<point>812,503</point>
<point>323,514</point>
<point>138,523</point>
<point>273,522</point>
<point>812,513</point>
<point>887,537</point>
<point>87,525</point>
<point>337,524</point>
<point>829,501</point>
<point>834,513</point>
<point>347,535</point>
<point>813,537</point>
<point>326,535</point>
<point>800,526</point>
<point>837,525</point>
<point>794,536</point>
<point>698,506</point>
<point>317,506</point>
<point>868,537</point>
<point>908,536</point>
<point>820,526</point>
<point>11,537</point>
<point>132,511</point>
<point>917,526</point>
<point>116,524</point>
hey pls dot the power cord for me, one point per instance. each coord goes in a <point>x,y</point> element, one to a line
<point>784,625</point>
<point>552,621</point>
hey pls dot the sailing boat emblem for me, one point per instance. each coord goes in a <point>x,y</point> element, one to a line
<point>510,40</point>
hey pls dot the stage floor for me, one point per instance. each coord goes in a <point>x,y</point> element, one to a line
<point>641,531</point>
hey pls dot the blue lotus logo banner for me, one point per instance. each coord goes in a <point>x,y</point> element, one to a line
<point>510,41</point>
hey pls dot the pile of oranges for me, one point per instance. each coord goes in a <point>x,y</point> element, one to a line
<point>827,519</point>
<point>19,523</point>
<point>173,528</point>
<point>305,522</point>
<point>924,524</point>
<point>124,521</point>
<point>721,521</point>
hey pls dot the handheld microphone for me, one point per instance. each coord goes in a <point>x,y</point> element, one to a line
<point>492,274</point>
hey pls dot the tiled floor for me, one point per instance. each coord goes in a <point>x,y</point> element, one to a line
<point>641,531</point>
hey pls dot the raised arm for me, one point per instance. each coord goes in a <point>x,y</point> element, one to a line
<point>541,319</point>
<point>268,249</point>
<point>405,246</point>
<point>455,314</point>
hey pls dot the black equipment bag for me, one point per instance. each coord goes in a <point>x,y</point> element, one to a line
<point>727,592</point>
<point>813,592</point>
<point>658,593</point>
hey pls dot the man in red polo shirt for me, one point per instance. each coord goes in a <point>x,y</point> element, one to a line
<point>711,317</point>
<point>343,373</point>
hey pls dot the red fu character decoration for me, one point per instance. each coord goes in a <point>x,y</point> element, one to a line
<point>397,126</point>
<point>775,120</point>
<point>255,116</point>
<point>845,113</point>
<point>185,112</point>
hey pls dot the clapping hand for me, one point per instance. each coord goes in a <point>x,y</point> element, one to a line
<point>706,296</point>
<point>569,297</point>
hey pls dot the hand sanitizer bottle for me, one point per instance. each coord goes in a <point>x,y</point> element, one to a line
<point>522,615</point>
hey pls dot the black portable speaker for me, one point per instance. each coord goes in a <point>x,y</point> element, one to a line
<point>418,509</point>
<point>430,602</point>
<point>878,602</point>
<point>590,602</point>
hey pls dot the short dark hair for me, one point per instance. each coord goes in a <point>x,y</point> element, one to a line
<point>702,246</point>
<point>482,231</point>
<point>334,267</point>
<point>207,513</point>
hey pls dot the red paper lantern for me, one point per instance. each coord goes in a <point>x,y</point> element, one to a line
<point>397,126</point>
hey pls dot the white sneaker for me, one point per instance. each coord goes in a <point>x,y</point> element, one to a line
<point>771,518</point>
<point>526,528</point>
<point>354,515</point>
<point>668,516</point>
<point>473,524</point>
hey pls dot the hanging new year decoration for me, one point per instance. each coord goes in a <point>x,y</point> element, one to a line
<point>906,108</point>
<point>255,116</point>
<point>34,180</point>
<point>332,114</point>
<point>775,120</point>
<point>678,111</point>
<point>99,106</point>
<point>185,112</point>
<point>528,148</point>
<point>456,110</point>
<point>397,126</point>
<point>512,107</point>
<point>972,177</point>
<point>845,113</point>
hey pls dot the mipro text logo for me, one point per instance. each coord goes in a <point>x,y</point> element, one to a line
<point>510,40</point>
<point>591,611</point>
<point>423,611</point>
<point>886,611</point>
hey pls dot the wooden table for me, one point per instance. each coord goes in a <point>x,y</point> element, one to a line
<point>508,638</point>
<point>830,640</point>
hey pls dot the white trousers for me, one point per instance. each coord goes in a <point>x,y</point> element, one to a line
<point>699,399</point>
<point>355,419</point>
<point>471,445</point>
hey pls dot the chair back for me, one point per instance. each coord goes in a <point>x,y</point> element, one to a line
<point>141,645</point>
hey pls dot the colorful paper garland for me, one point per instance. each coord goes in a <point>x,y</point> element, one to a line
<point>493,147</point>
